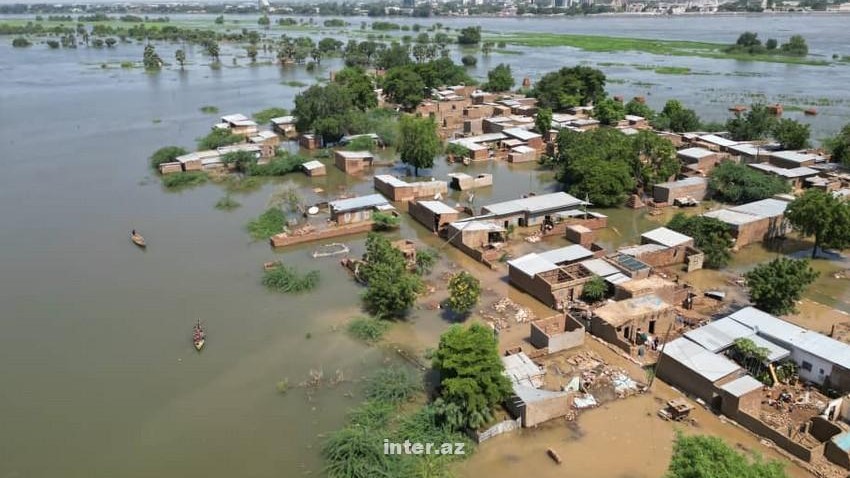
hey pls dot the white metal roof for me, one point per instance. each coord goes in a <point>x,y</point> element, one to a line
<point>666,237</point>
<point>798,172</point>
<point>764,208</point>
<point>391,180</point>
<point>360,202</point>
<point>437,207</point>
<point>234,118</point>
<point>719,334</point>
<point>570,253</point>
<point>519,368</point>
<point>354,154</point>
<point>476,225</point>
<point>532,264</point>
<point>617,278</point>
<point>522,149</point>
<point>600,267</point>
<point>695,153</point>
<point>706,364</point>
<point>533,204</point>
<point>520,133</point>
<point>731,217</point>
<point>747,149</point>
<point>639,250</point>
<point>283,120</point>
<point>795,156</point>
<point>718,140</point>
<point>310,165</point>
<point>692,181</point>
<point>742,386</point>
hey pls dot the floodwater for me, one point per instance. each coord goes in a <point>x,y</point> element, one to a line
<point>99,378</point>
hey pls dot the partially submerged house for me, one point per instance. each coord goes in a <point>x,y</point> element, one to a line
<point>399,190</point>
<point>700,159</point>
<point>667,193</point>
<point>357,209</point>
<point>480,239</point>
<point>529,402</point>
<point>314,168</point>
<point>796,177</point>
<point>435,215</point>
<point>310,141</point>
<point>557,333</point>
<point>238,124</point>
<point>695,370</point>
<point>553,277</point>
<point>353,162</point>
<point>522,154</point>
<point>756,221</point>
<point>463,181</point>
<point>662,247</point>
<point>628,323</point>
<point>532,210</point>
<point>794,159</point>
<point>347,216</point>
<point>285,126</point>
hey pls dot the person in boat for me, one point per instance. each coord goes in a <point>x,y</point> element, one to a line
<point>133,233</point>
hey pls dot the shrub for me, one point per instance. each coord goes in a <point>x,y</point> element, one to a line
<point>184,179</point>
<point>166,154</point>
<point>425,260</point>
<point>368,329</point>
<point>385,221</point>
<point>392,385</point>
<point>218,138</point>
<point>288,280</point>
<point>464,290</point>
<point>227,203</point>
<point>469,60</point>
<point>267,114</point>
<point>269,223</point>
<point>594,290</point>
<point>21,42</point>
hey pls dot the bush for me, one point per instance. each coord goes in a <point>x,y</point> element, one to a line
<point>368,329</point>
<point>372,414</point>
<point>227,203</point>
<point>267,114</point>
<point>288,280</point>
<point>425,260</point>
<point>283,163</point>
<point>166,154</point>
<point>469,60</point>
<point>385,221</point>
<point>218,138</point>
<point>594,290</point>
<point>464,290</point>
<point>268,224</point>
<point>361,143</point>
<point>392,385</point>
<point>738,184</point>
<point>21,42</point>
<point>184,179</point>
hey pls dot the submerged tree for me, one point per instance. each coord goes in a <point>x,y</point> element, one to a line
<point>464,290</point>
<point>150,59</point>
<point>776,286</point>
<point>822,215</point>
<point>180,57</point>
<point>419,143</point>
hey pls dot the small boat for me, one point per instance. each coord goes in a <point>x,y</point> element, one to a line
<point>198,336</point>
<point>138,239</point>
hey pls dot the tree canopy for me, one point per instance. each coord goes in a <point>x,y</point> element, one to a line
<point>822,215</point>
<point>464,290</point>
<point>166,154</point>
<point>738,183</point>
<point>391,289</point>
<point>418,142</point>
<point>404,87</point>
<point>469,36</point>
<point>675,117</point>
<point>710,235</point>
<point>757,123</point>
<point>500,78</point>
<point>791,134</point>
<point>567,87</point>
<point>471,375</point>
<point>323,110</point>
<point>609,111</point>
<point>359,86</point>
<point>839,145</point>
<point>634,107</point>
<point>543,120</point>
<point>775,286</point>
<point>703,456</point>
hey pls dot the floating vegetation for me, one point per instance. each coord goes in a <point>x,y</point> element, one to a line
<point>282,386</point>
<point>288,280</point>
<point>392,385</point>
<point>242,184</point>
<point>184,179</point>
<point>368,329</point>
<point>209,109</point>
<point>294,83</point>
<point>505,51</point>
<point>267,224</point>
<point>672,70</point>
<point>227,203</point>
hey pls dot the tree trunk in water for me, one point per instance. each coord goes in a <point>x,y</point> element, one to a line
<point>416,171</point>
<point>815,249</point>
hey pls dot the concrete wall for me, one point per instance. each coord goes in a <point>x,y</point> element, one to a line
<point>836,455</point>
<point>760,230</point>
<point>498,429</point>
<point>556,333</point>
<point>434,222</point>
<point>840,378</point>
<point>683,378</point>
<point>668,194</point>
<point>544,410</point>
<point>752,423</point>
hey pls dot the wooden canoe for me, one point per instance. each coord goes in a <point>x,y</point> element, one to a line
<point>138,239</point>
<point>199,344</point>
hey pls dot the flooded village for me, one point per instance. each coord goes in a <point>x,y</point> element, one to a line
<point>557,273</point>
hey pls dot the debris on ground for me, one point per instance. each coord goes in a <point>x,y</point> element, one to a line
<point>504,313</point>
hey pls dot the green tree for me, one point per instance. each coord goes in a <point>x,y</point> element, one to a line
<point>359,86</point>
<point>418,142</point>
<point>469,36</point>
<point>252,51</point>
<point>791,134</point>
<point>594,290</point>
<point>166,154</point>
<point>567,87</point>
<point>702,456</point>
<point>822,215</point>
<point>609,111</point>
<point>218,138</point>
<point>212,50</point>
<point>637,108</point>
<point>471,376</point>
<point>675,117</point>
<point>839,145</point>
<point>757,123</point>
<point>738,184</point>
<point>391,291</point>
<point>710,235</point>
<point>150,59</point>
<point>404,87</point>
<point>21,42</point>
<point>771,44</point>
<point>543,120</point>
<point>796,46</point>
<point>219,20</point>
<point>264,21</point>
<point>596,164</point>
<point>775,287</point>
<point>500,78</point>
<point>654,159</point>
<point>464,291</point>
<point>180,57</point>
<point>469,60</point>
<point>323,110</point>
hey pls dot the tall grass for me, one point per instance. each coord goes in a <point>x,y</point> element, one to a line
<point>268,224</point>
<point>184,179</point>
<point>288,280</point>
<point>368,329</point>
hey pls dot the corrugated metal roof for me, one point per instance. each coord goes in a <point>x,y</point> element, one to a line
<point>799,172</point>
<point>666,237</point>
<point>437,207</point>
<point>523,149</point>
<point>639,250</point>
<point>475,225</point>
<point>706,364</point>
<point>520,368</point>
<point>234,118</point>
<point>390,180</point>
<point>310,165</point>
<point>283,120</point>
<point>354,154</point>
<point>742,386</point>
<point>533,204</point>
<point>795,156</point>
<point>531,264</point>
<point>570,253</point>
<point>695,153</point>
<point>520,133</point>
<point>763,208</point>
<point>808,341</point>
<point>719,334</point>
<point>774,352</point>
<point>718,140</point>
<point>530,394</point>
<point>692,181</point>
<point>732,217</point>
<point>360,202</point>
<point>600,267</point>
<point>617,278</point>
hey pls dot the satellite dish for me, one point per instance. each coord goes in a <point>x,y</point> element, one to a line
<point>313,210</point>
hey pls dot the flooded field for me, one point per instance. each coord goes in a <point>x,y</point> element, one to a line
<point>95,350</point>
